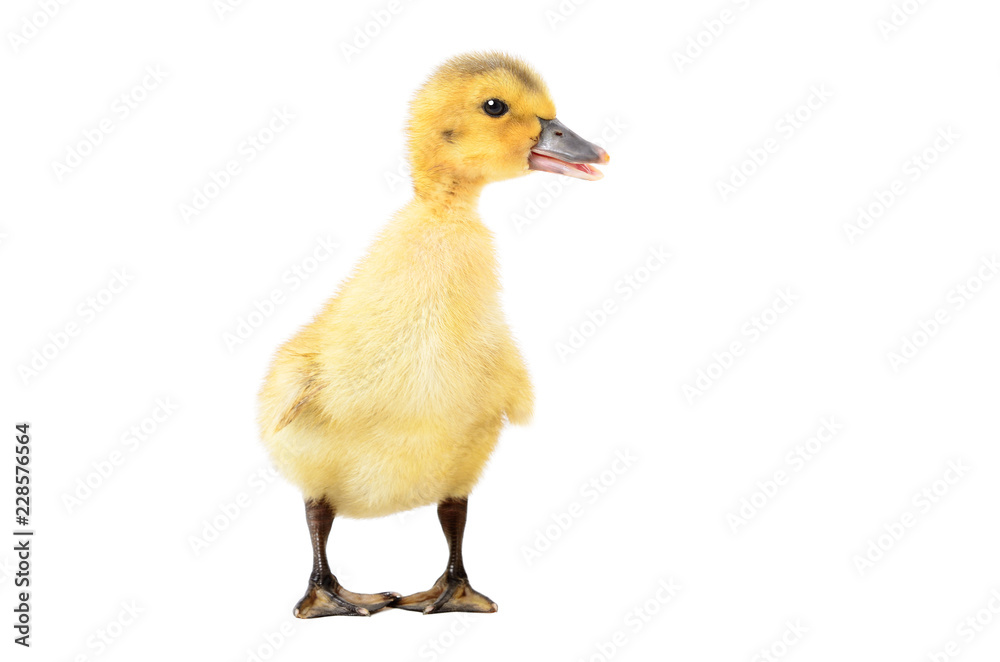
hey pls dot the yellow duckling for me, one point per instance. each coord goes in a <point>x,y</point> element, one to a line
<point>394,396</point>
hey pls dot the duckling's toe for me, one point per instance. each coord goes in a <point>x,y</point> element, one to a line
<point>332,599</point>
<point>448,594</point>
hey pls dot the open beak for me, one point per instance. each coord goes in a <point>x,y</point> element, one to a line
<point>561,151</point>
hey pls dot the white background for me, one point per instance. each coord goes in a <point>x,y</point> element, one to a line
<point>677,130</point>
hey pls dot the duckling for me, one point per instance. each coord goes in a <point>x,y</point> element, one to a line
<point>395,395</point>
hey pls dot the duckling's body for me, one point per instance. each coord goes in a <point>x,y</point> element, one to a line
<point>405,377</point>
<point>394,396</point>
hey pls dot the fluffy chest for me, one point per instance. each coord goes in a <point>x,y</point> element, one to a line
<point>419,326</point>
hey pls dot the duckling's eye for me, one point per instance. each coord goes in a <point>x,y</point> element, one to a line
<point>495,107</point>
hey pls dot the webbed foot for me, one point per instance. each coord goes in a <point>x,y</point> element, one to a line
<point>449,593</point>
<point>329,598</point>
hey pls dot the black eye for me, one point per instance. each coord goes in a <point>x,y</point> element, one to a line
<point>495,107</point>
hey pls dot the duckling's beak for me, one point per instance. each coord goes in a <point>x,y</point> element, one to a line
<point>561,151</point>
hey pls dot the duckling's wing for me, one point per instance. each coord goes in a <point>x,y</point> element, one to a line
<point>294,382</point>
<point>308,391</point>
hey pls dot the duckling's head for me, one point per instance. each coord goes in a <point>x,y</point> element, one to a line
<point>485,117</point>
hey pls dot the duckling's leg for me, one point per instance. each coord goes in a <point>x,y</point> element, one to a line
<point>451,592</point>
<point>325,596</point>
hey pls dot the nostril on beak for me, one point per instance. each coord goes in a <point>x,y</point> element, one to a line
<point>558,133</point>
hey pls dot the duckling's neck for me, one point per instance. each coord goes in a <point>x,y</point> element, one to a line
<point>441,191</point>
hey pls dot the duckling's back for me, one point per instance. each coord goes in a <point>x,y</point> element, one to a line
<point>394,396</point>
